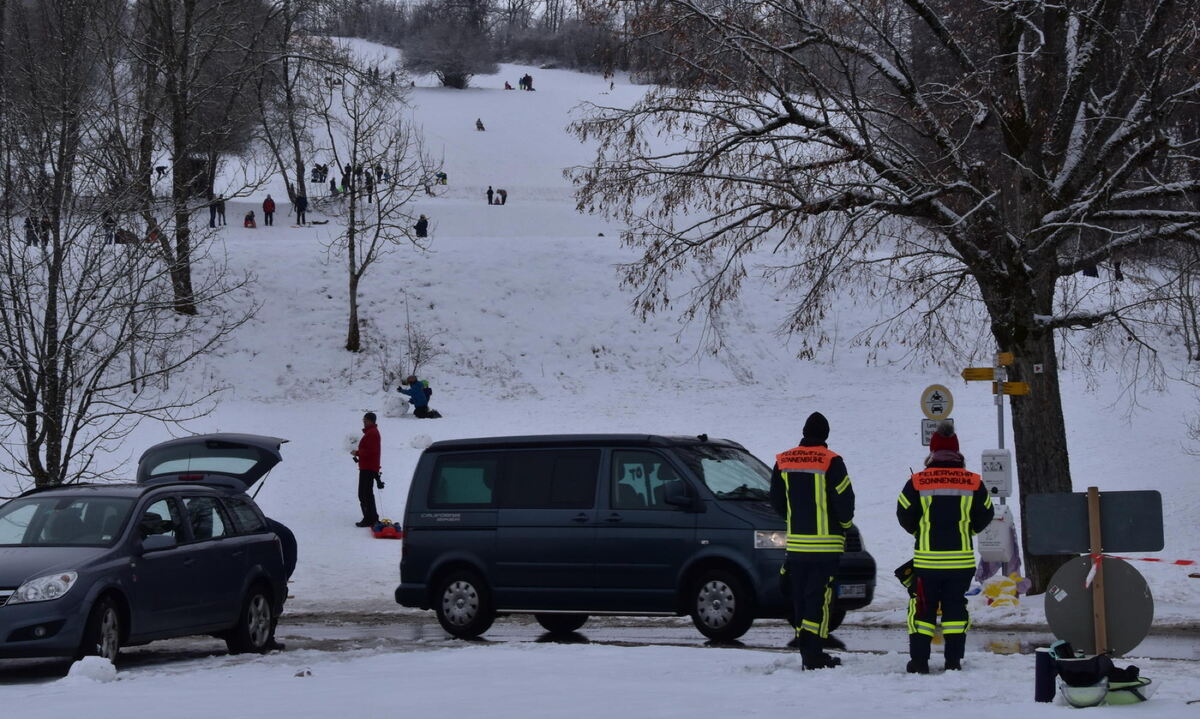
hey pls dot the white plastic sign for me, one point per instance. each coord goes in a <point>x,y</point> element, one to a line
<point>995,542</point>
<point>929,426</point>
<point>997,472</point>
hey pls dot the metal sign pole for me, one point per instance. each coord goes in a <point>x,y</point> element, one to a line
<point>999,375</point>
<point>1099,616</point>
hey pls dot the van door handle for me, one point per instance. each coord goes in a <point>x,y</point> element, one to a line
<point>581,517</point>
<point>614,517</point>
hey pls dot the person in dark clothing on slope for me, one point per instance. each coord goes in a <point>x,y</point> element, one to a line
<point>268,212</point>
<point>368,458</point>
<point>422,226</point>
<point>301,207</point>
<point>220,210</point>
<point>811,490</point>
<point>212,212</point>
<point>490,194</point>
<point>943,507</point>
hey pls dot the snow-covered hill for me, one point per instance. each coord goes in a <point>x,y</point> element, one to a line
<point>538,338</point>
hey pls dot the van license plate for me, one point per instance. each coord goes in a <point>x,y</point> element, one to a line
<point>852,591</point>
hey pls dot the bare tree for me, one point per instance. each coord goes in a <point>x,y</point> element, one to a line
<point>451,39</point>
<point>952,162</point>
<point>88,335</point>
<point>381,155</point>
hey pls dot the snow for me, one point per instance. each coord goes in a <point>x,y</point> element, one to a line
<point>539,338</point>
<point>90,670</point>
<point>580,681</point>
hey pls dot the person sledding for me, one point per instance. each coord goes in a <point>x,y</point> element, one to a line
<point>418,393</point>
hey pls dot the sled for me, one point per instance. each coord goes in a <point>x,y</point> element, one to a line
<point>387,529</point>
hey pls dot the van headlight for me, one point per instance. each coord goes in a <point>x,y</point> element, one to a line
<point>43,589</point>
<point>768,539</point>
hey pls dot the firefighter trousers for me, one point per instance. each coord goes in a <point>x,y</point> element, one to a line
<point>943,589</point>
<point>810,584</point>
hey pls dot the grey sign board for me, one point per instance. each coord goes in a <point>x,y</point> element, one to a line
<point>1129,522</point>
<point>1129,606</point>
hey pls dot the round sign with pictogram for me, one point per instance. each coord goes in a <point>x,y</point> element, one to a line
<point>936,402</point>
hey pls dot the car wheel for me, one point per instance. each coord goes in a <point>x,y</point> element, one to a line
<point>255,630</point>
<point>836,617</point>
<point>722,607</point>
<point>464,605</point>
<point>102,634</point>
<point>561,623</point>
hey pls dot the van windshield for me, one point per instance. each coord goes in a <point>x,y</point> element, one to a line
<point>729,472</point>
<point>58,521</point>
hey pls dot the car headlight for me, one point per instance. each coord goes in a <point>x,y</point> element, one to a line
<point>43,589</point>
<point>767,539</point>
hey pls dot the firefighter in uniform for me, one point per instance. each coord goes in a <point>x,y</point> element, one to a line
<point>811,490</point>
<point>943,507</point>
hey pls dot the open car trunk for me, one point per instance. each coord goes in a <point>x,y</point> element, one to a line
<point>243,458</point>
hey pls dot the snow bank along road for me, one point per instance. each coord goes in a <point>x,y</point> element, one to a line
<point>407,666</point>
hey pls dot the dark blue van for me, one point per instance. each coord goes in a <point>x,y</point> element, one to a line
<point>567,526</point>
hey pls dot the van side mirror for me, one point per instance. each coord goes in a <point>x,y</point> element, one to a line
<point>677,494</point>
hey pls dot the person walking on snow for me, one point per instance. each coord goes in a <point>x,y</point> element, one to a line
<point>268,212</point>
<point>489,194</point>
<point>422,227</point>
<point>503,194</point>
<point>221,210</point>
<point>479,124</point>
<point>368,458</point>
<point>811,491</point>
<point>943,507</point>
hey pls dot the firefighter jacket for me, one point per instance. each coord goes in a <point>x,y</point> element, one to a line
<point>811,490</point>
<point>943,508</point>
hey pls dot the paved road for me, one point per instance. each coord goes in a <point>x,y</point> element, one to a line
<point>420,632</point>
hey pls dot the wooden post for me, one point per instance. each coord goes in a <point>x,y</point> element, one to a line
<point>1099,616</point>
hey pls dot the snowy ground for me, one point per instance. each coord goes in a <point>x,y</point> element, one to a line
<point>539,339</point>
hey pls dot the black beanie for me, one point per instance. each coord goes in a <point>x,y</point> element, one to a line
<point>816,427</point>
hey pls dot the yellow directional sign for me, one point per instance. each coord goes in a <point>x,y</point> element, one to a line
<point>971,374</point>
<point>1011,387</point>
<point>1004,359</point>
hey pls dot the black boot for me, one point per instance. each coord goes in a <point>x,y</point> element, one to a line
<point>918,651</point>
<point>811,654</point>
<point>956,646</point>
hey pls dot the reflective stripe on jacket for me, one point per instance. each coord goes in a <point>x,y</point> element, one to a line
<point>943,508</point>
<point>811,490</point>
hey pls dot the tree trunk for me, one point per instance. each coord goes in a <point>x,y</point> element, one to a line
<point>1039,438</point>
<point>353,340</point>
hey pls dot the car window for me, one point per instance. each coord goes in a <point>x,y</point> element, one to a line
<point>161,520</point>
<point>467,480</point>
<point>79,520</point>
<point>206,517</point>
<point>639,480</point>
<point>245,516</point>
<point>182,460</point>
<point>550,479</point>
<point>15,522</point>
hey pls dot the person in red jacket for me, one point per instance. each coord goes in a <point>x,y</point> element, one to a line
<point>268,212</point>
<point>367,457</point>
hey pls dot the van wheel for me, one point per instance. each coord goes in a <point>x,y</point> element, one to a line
<point>836,617</point>
<point>561,623</point>
<point>721,605</point>
<point>102,634</point>
<point>464,605</point>
<point>255,630</point>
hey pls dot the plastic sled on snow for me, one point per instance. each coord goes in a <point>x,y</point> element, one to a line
<point>387,529</point>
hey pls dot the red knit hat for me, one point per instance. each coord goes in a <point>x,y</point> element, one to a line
<point>941,441</point>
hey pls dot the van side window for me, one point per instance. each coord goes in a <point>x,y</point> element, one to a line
<point>639,480</point>
<point>206,517</point>
<point>550,480</point>
<point>466,480</point>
